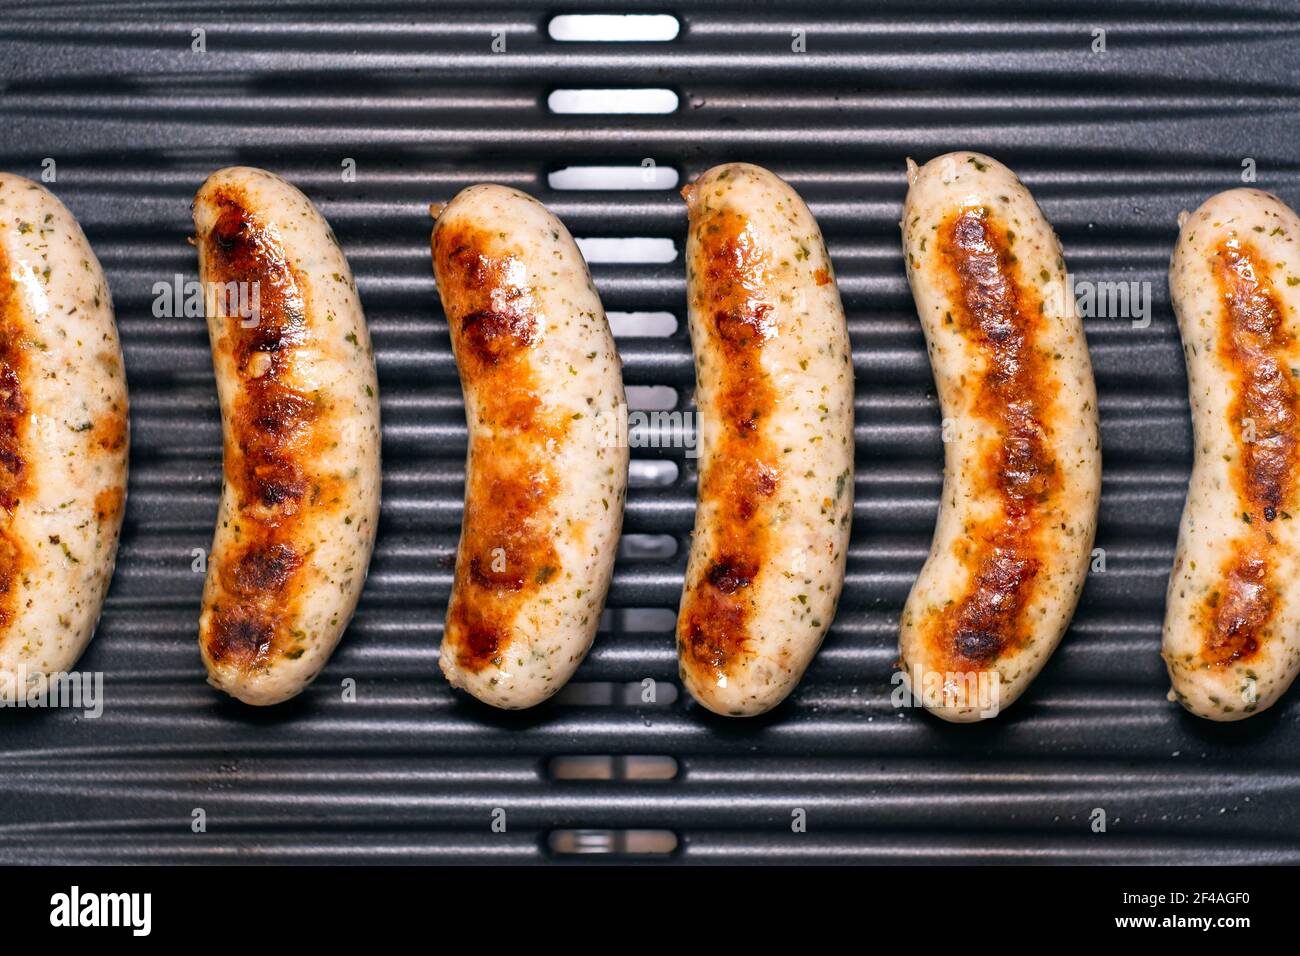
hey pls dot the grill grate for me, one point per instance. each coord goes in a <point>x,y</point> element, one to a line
<point>1114,144</point>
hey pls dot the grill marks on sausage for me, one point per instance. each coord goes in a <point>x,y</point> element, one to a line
<point>108,505</point>
<point>733,285</point>
<point>13,400</point>
<point>14,467</point>
<point>1255,346</point>
<point>1013,395</point>
<point>275,431</point>
<point>507,552</point>
<point>108,431</point>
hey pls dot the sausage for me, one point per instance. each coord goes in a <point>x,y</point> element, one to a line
<point>1232,620</point>
<point>1022,468</point>
<point>546,472</point>
<point>774,388</point>
<point>64,438</point>
<point>300,417</point>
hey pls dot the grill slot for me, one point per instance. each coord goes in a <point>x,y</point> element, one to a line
<point>607,28</point>
<point>1114,145</point>
<point>647,100</point>
<point>645,176</point>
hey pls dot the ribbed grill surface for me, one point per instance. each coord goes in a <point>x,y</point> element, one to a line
<point>1114,145</point>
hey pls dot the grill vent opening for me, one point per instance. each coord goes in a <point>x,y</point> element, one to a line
<point>649,175</point>
<point>612,842</point>
<point>630,325</point>
<point>647,547</point>
<point>633,250</point>
<point>614,28</point>
<point>657,473</point>
<point>648,100</point>
<point>613,767</point>
<point>651,397</point>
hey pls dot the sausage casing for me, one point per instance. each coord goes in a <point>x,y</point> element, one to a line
<point>300,417</point>
<point>1022,471</point>
<point>1232,619</point>
<point>63,438</point>
<point>546,473</point>
<point>774,374</point>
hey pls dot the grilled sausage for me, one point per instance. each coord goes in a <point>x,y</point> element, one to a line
<point>63,438</point>
<point>1022,471</point>
<point>774,374</point>
<point>300,413</point>
<point>546,474</point>
<point>1232,621</point>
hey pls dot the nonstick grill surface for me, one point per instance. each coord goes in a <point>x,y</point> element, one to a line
<point>1113,144</point>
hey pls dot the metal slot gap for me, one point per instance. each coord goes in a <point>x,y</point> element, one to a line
<point>616,767</point>
<point>652,473</point>
<point>646,176</point>
<point>651,397</point>
<point>644,620</point>
<point>663,428</point>
<point>642,325</point>
<point>603,693</point>
<point>612,842</point>
<point>644,100</point>
<point>647,547</point>
<point>636,250</point>
<point>614,28</point>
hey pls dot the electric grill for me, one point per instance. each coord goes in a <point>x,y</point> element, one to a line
<point>1117,116</point>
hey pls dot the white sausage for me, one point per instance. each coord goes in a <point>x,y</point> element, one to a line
<point>546,474</point>
<point>63,438</point>
<point>1232,621</point>
<point>774,373</point>
<point>1022,471</point>
<point>300,414</point>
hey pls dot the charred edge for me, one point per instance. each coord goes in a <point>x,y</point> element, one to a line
<point>991,610</point>
<point>241,637</point>
<point>492,318</point>
<point>507,551</point>
<point>13,399</point>
<point>255,586</point>
<point>108,432</point>
<point>108,505</point>
<point>273,428</point>
<point>13,440</point>
<point>264,569</point>
<point>732,281</point>
<point>1014,392</point>
<point>1240,613</point>
<point>11,568</point>
<point>270,418</point>
<point>1253,345</point>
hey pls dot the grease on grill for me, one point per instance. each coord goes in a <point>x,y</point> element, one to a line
<point>741,477</point>
<point>507,552</point>
<point>275,430</point>
<point>13,437</point>
<point>1002,317</point>
<point>1255,346</point>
